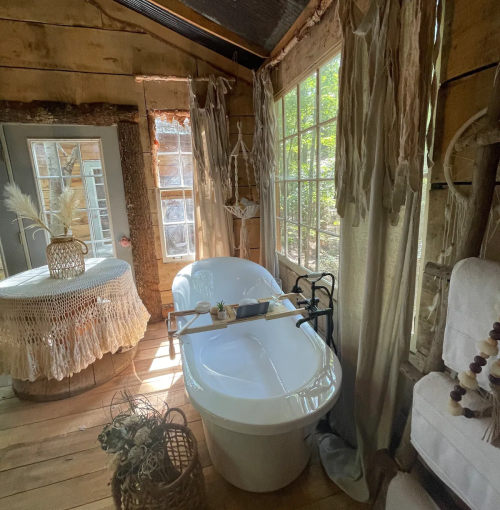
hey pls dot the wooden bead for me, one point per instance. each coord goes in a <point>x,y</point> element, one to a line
<point>484,355</point>
<point>468,381</point>
<point>460,389</point>
<point>495,368</point>
<point>495,334</point>
<point>492,341</point>
<point>454,408</point>
<point>494,380</point>
<point>454,395</point>
<point>480,360</point>
<point>496,326</point>
<point>474,367</point>
<point>487,348</point>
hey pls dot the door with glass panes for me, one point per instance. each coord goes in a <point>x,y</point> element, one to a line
<point>43,161</point>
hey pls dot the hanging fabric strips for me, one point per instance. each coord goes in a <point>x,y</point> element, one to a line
<point>210,139</point>
<point>264,163</point>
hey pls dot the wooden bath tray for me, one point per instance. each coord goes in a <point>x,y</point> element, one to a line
<point>279,312</point>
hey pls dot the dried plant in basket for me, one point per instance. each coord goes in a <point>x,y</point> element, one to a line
<point>155,459</point>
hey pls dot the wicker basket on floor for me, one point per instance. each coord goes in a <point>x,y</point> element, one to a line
<point>186,492</point>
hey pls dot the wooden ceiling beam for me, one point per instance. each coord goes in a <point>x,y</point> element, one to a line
<point>298,24</point>
<point>189,15</point>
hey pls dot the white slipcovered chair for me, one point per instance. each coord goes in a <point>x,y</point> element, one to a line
<point>453,446</point>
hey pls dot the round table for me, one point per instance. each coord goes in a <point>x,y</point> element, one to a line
<point>54,333</point>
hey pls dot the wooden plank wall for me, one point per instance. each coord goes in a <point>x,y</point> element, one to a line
<point>80,51</point>
<point>472,50</point>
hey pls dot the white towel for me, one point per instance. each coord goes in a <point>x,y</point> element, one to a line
<point>474,292</point>
<point>405,492</point>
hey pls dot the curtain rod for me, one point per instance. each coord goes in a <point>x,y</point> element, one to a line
<point>146,77</point>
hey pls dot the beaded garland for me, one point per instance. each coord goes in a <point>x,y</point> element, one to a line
<point>468,381</point>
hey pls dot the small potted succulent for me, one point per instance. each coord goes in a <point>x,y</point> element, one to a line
<point>221,311</point>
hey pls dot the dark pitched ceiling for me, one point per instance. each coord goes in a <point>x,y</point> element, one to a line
<point>258,25</point>
<point>262,22</point>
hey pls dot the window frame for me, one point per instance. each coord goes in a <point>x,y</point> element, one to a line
<point>169,259</point>
<point>88,210</point>
<point>282,257</point>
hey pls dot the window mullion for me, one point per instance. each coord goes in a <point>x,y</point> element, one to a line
<point>318,105</point>
<point>285,187</point>
<point>299,213</point>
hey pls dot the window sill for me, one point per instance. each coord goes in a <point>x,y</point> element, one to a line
<point>179,260</point>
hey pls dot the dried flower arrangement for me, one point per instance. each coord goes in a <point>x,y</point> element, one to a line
<point>65,254</point>
<point>21,204</point>
<point>137,437</point>
<point>155,459</point>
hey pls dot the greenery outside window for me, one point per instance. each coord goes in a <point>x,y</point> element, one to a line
<point>308,226</point>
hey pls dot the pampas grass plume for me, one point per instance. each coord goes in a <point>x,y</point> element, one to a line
<point>67,205</point>
<point>21,204</point>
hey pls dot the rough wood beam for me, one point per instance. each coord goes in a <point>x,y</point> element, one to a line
<point>53,112</point>
<point>301,33</point>
<point>299,22</point>
<point>485,136</point>
<point>198,20</point>
<point>483,185</point>
<point>184,79</point>
<point>140,223</point>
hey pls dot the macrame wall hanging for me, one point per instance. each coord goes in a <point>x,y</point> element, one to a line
<point>245,208</point>
<point>457,165</point>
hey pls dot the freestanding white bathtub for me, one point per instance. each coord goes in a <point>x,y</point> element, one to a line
<point>259,386</point>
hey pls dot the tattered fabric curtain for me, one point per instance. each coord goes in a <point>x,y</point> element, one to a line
<point>386,86</point>
<point>264,162</point>
<point>210,138</point>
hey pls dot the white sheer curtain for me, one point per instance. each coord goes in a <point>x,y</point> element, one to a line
<point>385,90</point>
<point>213,223</point>
<point>264,161</point>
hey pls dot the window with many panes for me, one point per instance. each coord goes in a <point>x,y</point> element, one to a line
<point>75,164</point>
<point>175,194</point>
<point>308,227</point>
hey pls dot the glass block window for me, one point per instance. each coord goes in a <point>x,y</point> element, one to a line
<point>308,227</point>
<point>175,194</point>
<point>77,164</point>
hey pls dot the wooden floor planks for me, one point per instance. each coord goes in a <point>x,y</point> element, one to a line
<point>50,458</point>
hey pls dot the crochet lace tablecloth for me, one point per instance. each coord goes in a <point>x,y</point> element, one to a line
<point>55,328</point>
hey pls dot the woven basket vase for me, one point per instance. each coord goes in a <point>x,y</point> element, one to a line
<point>65,256</point>
<point>187,492</point>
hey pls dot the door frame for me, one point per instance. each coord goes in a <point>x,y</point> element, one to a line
<point>126,118</point>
